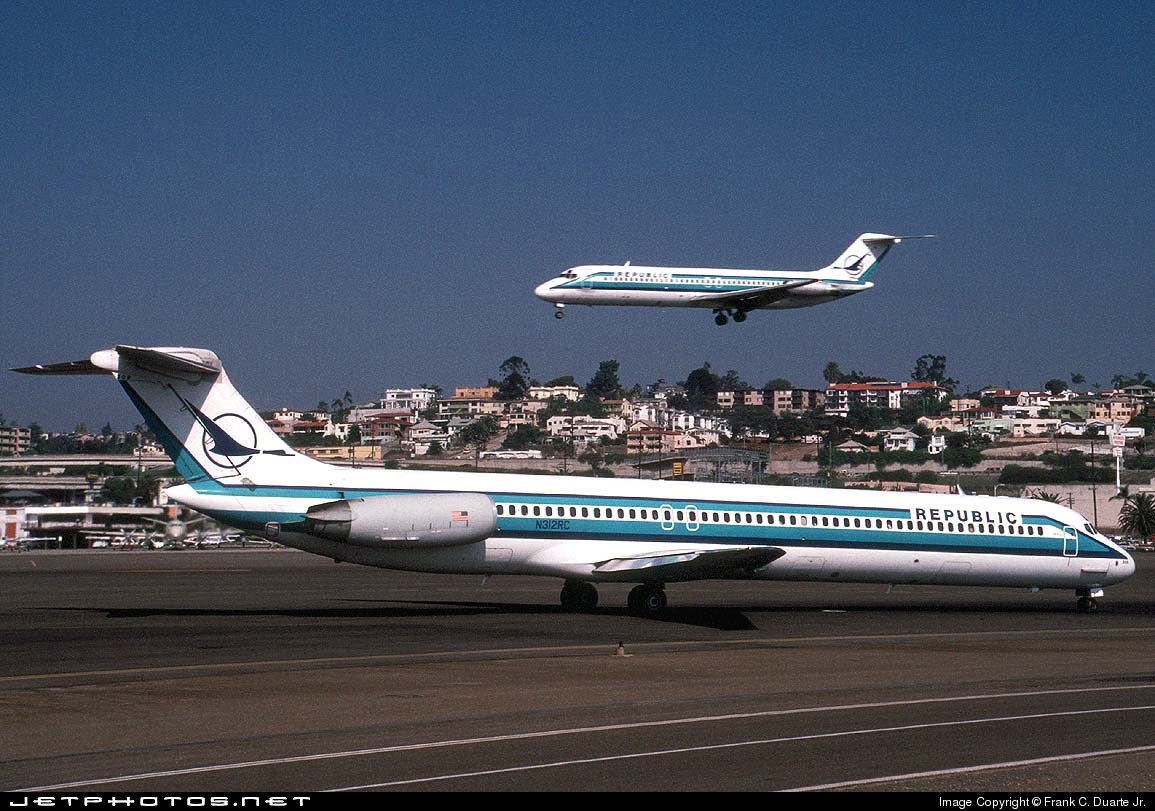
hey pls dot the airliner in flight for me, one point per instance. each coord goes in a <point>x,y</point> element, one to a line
<point>587,530</point>
<point>729,293</point>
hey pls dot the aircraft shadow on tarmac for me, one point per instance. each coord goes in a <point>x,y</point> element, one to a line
<point>722,619</point>
<point>734,618</point>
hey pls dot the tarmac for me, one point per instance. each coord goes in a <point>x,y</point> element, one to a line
<point>278,671</point>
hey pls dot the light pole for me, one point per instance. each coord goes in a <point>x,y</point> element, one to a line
<point>1094,475</point>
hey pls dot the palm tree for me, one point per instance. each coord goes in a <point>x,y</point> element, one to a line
<point>1137,517</point>
<point>1043,495</point>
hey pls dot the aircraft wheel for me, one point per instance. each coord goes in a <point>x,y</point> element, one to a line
<point>578,595</point>
<point>739,317</point>
<point>559,314</point>
<point>1087,604</point>
<point>720,319</point>
<point>647,599</point>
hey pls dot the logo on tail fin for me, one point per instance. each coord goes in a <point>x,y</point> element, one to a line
<point>220,444</point>
<point>854,265</point>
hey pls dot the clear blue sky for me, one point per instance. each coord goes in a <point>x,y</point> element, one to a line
<point>350,196</point>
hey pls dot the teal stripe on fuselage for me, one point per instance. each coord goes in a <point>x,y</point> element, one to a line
<point>689,284</point>
<point>564,527</point>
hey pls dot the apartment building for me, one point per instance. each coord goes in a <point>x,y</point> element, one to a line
<point>14,440</point>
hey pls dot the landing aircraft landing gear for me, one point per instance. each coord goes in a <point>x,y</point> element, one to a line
<point>1088,600</point>
<point>559,312</point>
<point>720,316</point>
<point>648,598</point>
<point>578,595</point>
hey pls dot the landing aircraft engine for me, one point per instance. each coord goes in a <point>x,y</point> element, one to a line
<point>440,519</point>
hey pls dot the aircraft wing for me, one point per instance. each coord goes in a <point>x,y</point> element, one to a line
<point>691,564</point>
<point>754,297</point>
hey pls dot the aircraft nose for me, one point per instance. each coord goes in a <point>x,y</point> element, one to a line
<point>544,291</point>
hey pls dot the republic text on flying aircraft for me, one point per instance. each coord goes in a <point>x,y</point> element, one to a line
<point>729,293</point>
<point>587,530</point>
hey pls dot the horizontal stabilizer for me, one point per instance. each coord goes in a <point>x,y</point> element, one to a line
<point>691,564</point>
<point>172,360</point>
<point>165,361</point>
<point>72,367</point>
<point>887,238</point>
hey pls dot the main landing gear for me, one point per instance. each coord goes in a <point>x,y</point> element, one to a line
<point>578,595</point>
<point>648,598</point>
<point>720,316</point>
<point>1088,600</point>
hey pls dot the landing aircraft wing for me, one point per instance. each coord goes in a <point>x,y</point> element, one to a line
<point>753,298</point>
<point>692,564</point>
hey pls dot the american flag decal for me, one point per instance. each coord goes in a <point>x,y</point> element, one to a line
<point>459,516</point>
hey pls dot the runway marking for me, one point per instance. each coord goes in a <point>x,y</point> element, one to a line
<point>619,727</point>
<point>657,647</point>
<point>1007,764</point>
<point>738,744</point>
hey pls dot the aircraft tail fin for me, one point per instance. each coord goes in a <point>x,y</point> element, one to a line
<point>206,427</point>
<point>859,261</point>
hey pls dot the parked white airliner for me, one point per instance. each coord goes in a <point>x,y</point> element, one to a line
<point>729,293</point>
<point>586,530</point>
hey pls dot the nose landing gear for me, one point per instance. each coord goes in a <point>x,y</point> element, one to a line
<point>559,311</point>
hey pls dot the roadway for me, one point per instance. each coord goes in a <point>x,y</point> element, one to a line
<point>277,671</point>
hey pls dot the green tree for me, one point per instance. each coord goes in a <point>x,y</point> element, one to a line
<point>932,369</point>
<point>514,383</point>
<point>1121,381</point>
<point>1045,495</point>
<point>478,432</point>
<point>1055,385</point>
<point>605,384</point>
<point>1137,517</point>
<point>732,381</point>
<point>702,387</point>
<point>1077,379</point>
<point>832,374</point>
<point>778,384</point>
<point>522,437</point>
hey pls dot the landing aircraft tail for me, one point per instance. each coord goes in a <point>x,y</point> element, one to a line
<point>858,261</point>
<point>208,429</point>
